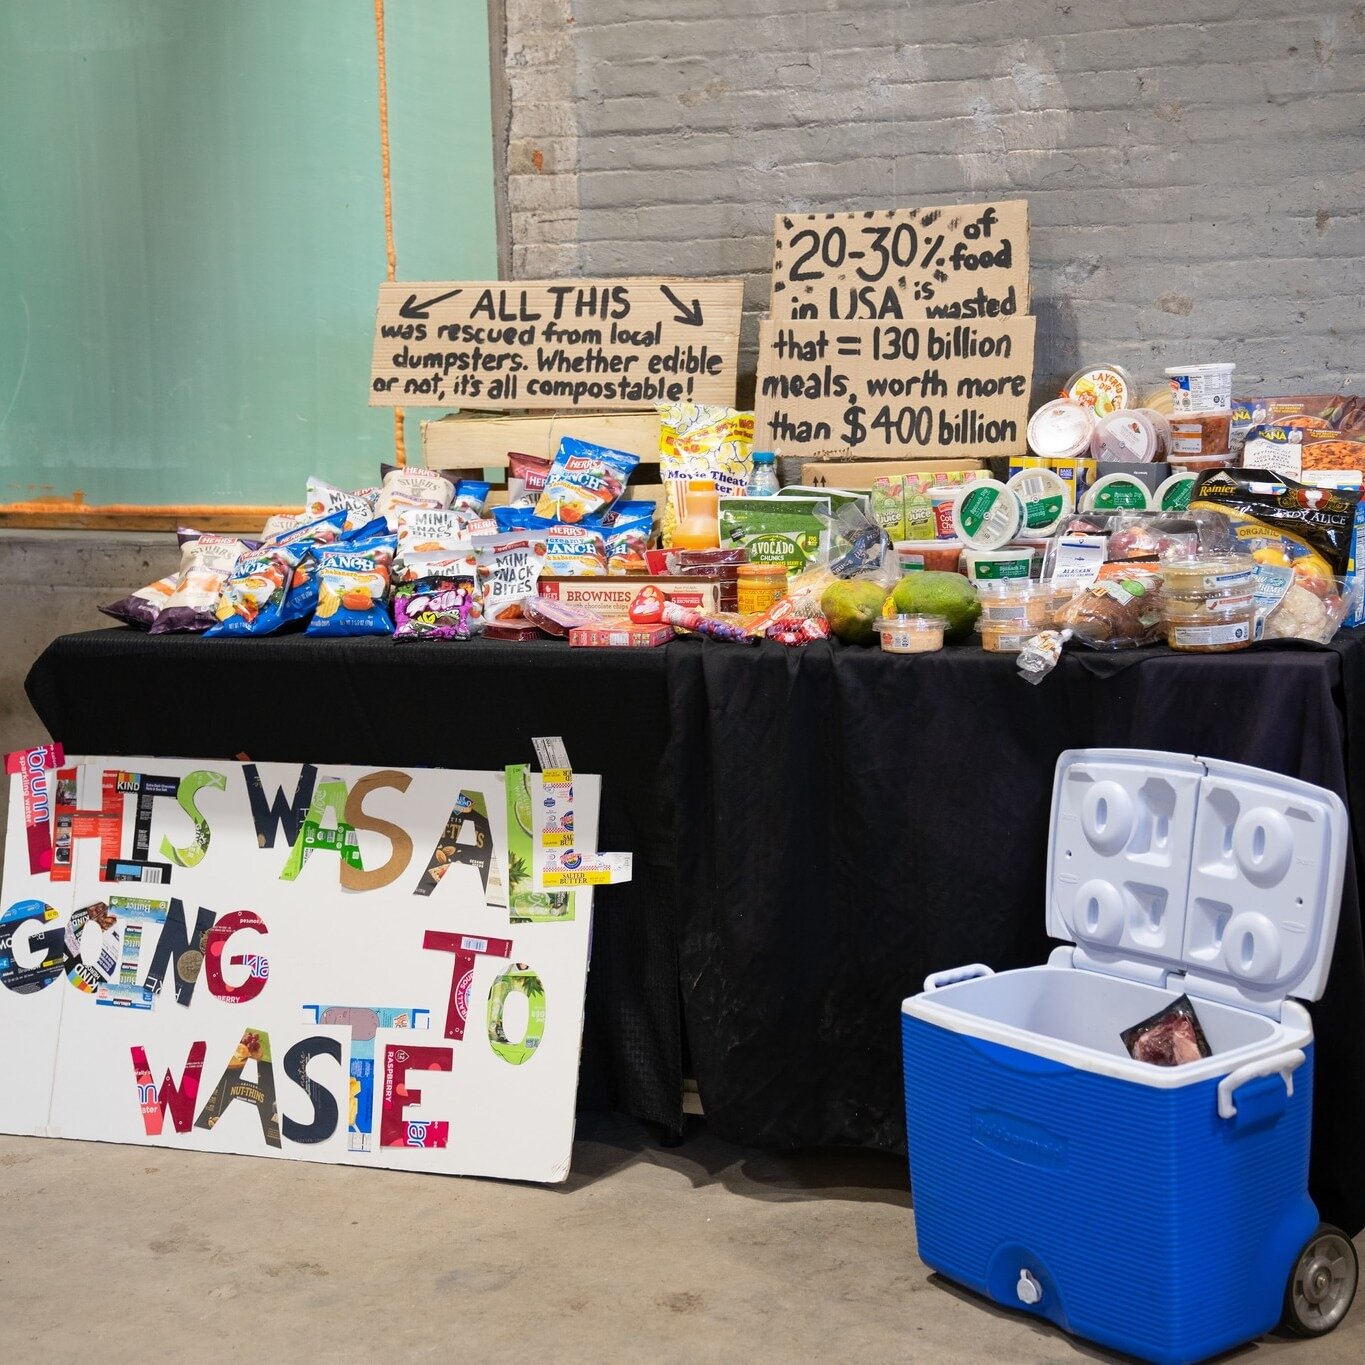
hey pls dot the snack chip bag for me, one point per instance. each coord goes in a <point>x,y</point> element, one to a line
<point>441,607</point>
<point>470,497</point>
<point>302,594</point>
<point>584,479</point>
<point>627,540</point>
<point>526,477</point>
<point>405,489</point>
<point>358,505</point>
<point>431,542</point>
<point>140,608</point>
<point>524,518</point>
<point>574,552</point>
<point>702,441</point>
<point>253,597</point>
<point>352,582</point>
<point>281,523</point>
<point>205,563</point>
<point>509,569</point>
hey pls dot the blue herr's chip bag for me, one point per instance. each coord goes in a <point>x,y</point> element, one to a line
<point>253,596</point>
<point>584,480</point>
<point>302,596</point>
<point>353,581</point>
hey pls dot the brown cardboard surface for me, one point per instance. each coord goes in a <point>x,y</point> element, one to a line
<point>546,344</point>
<point>870,390</point>
<point>484,442</point>
<point>903,263</point>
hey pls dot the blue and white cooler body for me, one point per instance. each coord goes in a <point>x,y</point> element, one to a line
<point>1157,1210</point>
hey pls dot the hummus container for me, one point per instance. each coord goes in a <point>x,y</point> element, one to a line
<point>1117,493</point>
<point>1201,433</point>
<point>1044,498</point>
<point>1105,388</point>
<point>1017,602</point>
<point>941,555</point>
<point>1200,388</point>
<point>1174,493</point>
<point>1209,625</point>
<point>1005,637</point>
<point>987,516</point>
<point>1127,435</point>
<point>993,566</point>
<point>1207,574</point>
<point>1061,430</point>
<point>902,634</point>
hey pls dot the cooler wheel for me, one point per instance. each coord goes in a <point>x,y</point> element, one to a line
<point>1322,1284</point>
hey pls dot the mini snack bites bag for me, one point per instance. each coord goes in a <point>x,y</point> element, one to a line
<point>412,489</point>
<point>584,479</point>
<point>205,563</point>
<point>431,542</point>
<point>442,607</point>
<point>702,441</point>
<point>140,608</point>
<point>353,580</point>
<point>509,569</point>
<point>253,596</point>
<point>358,505</point>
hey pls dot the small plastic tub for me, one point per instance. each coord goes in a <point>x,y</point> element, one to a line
<point>1129,435</point>
<point>1162,422</point>
<point>1214,624</point>
<point>1201,433</point>
<point>1061,430</point>
<point>987,516</point>
<point>942,555</point>
<point>1105,387</point>
<point>1200,388</point>
<point>1005,637</point>
<point>1199,464</point>
<point>942,502</point>
<point>1117,493</point>
<point>994,566</point>
<point>1044,496</point>
<point>1209,575</point>
<point>1016,602</point>
<point>1173,494</point>
<point>909,634</point>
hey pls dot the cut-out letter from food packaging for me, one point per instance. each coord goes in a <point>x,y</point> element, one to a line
<point>467,841</point>
<point>402,1066</point>
<point>558,865</point>
<point>519,980</point>
<point>31,958</point>
<point>215,949</point>
<point>324,1121</point>
<point>33,766</point>
<point>353,877</point>
<point>466,947</point>
<point>282,813</point>
<point>364,1022</point>
<point>524,904</point>
<point>192,854</point>
<point>329,797</point>
<point>179,954</point>
<point>132,913</point>
<point>84,975</point>
<point>233,1085</point>
<point>176,1097</point>
<point>105,824</point>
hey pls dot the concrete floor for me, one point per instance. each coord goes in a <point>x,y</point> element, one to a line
<point>706,1252</point>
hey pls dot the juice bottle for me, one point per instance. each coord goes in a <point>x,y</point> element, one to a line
<point>699,526</point>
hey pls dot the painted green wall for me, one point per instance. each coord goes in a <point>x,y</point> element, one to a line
<point>191,235</point>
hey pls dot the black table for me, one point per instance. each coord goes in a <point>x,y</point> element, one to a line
<point>815,830</point>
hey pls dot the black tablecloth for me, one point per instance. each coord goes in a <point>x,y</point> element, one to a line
<point>815,830</point>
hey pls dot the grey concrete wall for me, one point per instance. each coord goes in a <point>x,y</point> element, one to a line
<point>1195,168</point>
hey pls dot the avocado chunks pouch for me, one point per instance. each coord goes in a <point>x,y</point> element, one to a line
<point>777,530</point>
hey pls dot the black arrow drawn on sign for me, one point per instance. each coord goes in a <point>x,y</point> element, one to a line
<point>689,317</point>
<point>418,311</point>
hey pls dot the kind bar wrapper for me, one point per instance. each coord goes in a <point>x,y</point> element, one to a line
<point>790,531</point>
<point>702,441</point>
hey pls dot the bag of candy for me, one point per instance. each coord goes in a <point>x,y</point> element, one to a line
<point>442,607</point>
<point>584,479</point>
<point>406,489</point>
<point>140,608</point>
<point>205,563</point>
<point>358,505</point>
<point>352,582</point>
<point>509,568</point>
<point>253,596</point>
<point>431,542</point>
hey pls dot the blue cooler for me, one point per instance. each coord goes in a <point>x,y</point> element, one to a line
<point>1159,1210</point>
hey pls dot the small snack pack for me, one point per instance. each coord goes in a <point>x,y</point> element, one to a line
<point>470,497</point>
<point>405,489</point>
<point>205,563</point>
<point>509,569</point>
<point>583,480</point>
<point>140,608</point>
<point>431,542</point>
<point>526,476</point>
<point>253,597</point>
<point>282,523</point>
<point>358,505</point>
<point>352,582</point>
<point>574,552</point>
<point>441,607</point>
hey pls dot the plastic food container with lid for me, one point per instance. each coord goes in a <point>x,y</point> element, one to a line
<point>941,502</point>
<point>1117,493</point>
<point>1162,422</point>
<point>1105,387</point>
<point>941,555</point>
<point>993,566</point>
<point>1018,602</point>
<point>1005,637</point>
<point>1213,624</point>
<point>1044,497</point>
<point>1129,434</point>
<point>1204,574</point>
<point>1200,388</point>
<point>1197,464</point>
<point>911,634</point>
<point>1201,433</point>
<point>1061,429</point>
<point>987,516</point>
<point>1173,494</point>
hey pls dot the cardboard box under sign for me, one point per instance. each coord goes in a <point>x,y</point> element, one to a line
<point>471,441</point>
<point>858,475</point>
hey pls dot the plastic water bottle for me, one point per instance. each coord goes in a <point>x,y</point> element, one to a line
<point>763,481</point>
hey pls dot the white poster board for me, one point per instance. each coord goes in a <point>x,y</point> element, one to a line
<point>409,1020</point>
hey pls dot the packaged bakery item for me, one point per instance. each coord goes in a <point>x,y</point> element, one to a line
<point>431,542</point>
<point>702,441</point>
<point>140,608</point>
<point>1121,609</point>
<point>509,571</point>
<point>352,585</point>
<point>205,563</point>
<point>1105,388</point>
<point>252,599</point>
<point>441,607</point>
<point>358,505</point>
<point>1170,1037</point>
<point>583,480</point>
<point>408,489</point>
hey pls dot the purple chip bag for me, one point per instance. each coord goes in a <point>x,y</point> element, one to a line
<point>206,562</point>
<point>1170,1037</point>
<point>140,608</point>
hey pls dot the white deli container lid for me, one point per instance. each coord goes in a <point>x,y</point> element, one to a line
<point>986,515</point>
<point>1045,498</point>
<point>1117,493</point>
<point>1200,875</point>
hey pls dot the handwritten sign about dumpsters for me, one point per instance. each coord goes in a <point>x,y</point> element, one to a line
<point>958,261</point>
<point>869,390</point>
<point>559,344</point>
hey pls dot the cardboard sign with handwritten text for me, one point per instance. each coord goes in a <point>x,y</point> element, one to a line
<point>956,261</point>
<point>883,390</point>
<point>556,344</point>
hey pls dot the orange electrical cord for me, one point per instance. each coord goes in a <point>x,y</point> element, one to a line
<point>400,453</point>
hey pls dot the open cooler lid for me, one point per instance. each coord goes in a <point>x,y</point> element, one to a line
<point>1228,877</point>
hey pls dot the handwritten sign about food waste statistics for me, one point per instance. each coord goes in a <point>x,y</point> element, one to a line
<point>559,344</point>
<point>337,964</point>
<point>954,261</point>
<point>865,390</point>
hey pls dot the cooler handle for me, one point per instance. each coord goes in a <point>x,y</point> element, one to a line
<point>935,980</point>
<point>1283,1064</point>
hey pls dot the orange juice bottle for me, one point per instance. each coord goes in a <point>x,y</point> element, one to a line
<point>699,526</point>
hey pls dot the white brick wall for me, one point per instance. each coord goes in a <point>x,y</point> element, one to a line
<point>1195,168</point>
